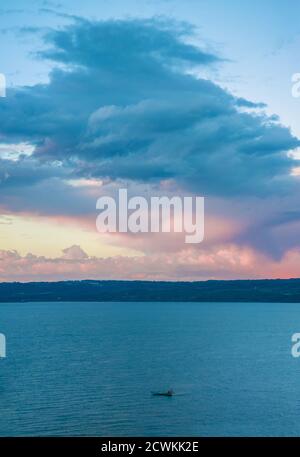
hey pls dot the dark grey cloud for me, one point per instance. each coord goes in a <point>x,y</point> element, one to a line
<point>27,172</point>
<point>274,229</point>
<point>122,103</point>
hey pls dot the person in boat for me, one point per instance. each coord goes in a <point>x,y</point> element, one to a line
<point>170,392</point>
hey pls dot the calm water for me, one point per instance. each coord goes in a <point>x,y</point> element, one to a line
<point>89,369</point>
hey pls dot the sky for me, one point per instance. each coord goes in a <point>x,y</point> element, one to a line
<point>163,98</point>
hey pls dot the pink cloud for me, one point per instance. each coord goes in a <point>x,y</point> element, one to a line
<point>74,253</point>
<point>222,262</point>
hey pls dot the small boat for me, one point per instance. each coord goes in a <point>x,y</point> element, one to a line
<point>169,393</point>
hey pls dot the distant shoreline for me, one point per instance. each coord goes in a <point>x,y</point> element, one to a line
<point>261,290</point>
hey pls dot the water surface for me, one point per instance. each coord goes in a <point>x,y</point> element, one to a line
<point>89,369</point>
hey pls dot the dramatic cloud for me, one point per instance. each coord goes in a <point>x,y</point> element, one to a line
<point>127,104</point>
<point>130,102</point>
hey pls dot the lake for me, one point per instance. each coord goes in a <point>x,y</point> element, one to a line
<point>81,369</point>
